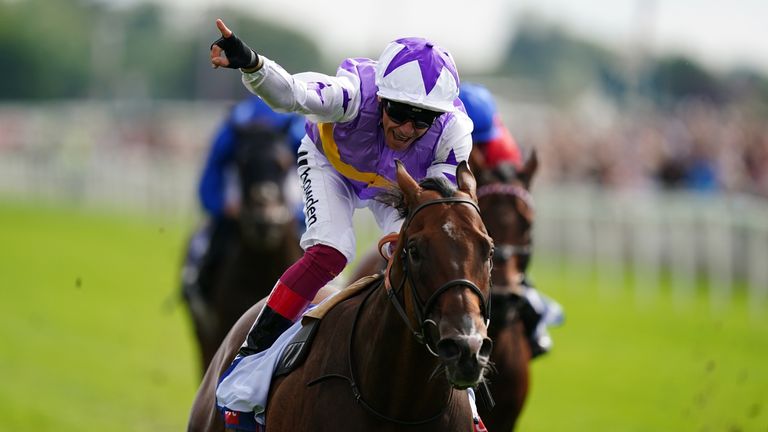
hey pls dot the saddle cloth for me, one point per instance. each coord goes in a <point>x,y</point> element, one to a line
<point>350,291</point>
<point>296,351</point>
<point>244,388</point>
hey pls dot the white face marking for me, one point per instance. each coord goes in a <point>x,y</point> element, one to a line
<point>449,229</point>
<point>469,324</point>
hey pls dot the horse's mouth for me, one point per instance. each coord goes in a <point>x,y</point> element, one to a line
<point>465,359</point>
<point>464,376</point>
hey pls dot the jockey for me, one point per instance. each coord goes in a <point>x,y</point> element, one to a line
<point>493,146</point>
<point>219,193</point>
<point>493,140</point>
<point>403,106</point>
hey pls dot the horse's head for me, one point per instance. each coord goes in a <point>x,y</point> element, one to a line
<point>443,272</point>
<point>263,162</point>
<point>507,209</point>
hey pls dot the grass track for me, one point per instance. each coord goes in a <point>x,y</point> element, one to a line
<point>669,365</point>
<point>88,342</point>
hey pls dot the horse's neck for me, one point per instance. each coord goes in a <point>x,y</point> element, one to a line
<point>386,355</point>
<point>513,283</point>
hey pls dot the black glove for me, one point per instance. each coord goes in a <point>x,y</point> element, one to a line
<point>240,55</point>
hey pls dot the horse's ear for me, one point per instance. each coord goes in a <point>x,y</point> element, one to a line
<point>407,184</point>
<point>525,210</point>
<point>479,167</point>
<point>465,180</point>
<point>477,161</point>
<point>529,169</point>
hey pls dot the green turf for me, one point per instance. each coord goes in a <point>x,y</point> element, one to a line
<point>664,364</point>
<point>88,342</point>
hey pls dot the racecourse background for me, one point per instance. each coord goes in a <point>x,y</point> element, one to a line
<point>662,331</point>
<point>146,157</point>
<point>651,197</point>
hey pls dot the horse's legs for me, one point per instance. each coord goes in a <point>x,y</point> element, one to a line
<point>509,386</point>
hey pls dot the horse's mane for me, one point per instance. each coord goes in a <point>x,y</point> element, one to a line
<point>394,197</point>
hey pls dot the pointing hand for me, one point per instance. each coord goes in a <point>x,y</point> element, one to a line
<point>236,54</point>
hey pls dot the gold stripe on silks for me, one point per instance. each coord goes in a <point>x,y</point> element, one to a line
<point>332,153</point>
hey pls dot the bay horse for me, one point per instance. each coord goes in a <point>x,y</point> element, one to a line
<point>263,241</point>
<point>399,355</point>
<point>507,209</point>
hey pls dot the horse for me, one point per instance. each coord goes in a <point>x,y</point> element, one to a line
<point>259,245</point>
<point>506,206</point>
<point>400,354</point>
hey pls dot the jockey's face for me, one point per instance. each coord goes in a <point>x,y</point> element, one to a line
<point>401,129</point>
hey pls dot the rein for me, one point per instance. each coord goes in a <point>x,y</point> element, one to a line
<point>422,309</point>
<point>356,389</point>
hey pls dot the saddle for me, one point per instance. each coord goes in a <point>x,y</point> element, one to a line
<point>297,350</point>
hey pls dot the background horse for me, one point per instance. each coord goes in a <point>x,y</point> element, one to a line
<point>259,246</point>
<point>507,209</point>
<point>398,356</point>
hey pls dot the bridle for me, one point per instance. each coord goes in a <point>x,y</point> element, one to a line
<point>421,308</point>
<point>503,252</point>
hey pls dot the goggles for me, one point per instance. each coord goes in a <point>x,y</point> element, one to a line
<point>401,113</point>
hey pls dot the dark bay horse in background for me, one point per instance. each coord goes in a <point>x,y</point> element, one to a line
<point>506,207</point>
<point>264,240</point>
<point>398,355</point>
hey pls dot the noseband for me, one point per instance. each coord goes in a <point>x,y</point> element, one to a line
<point>422,309</point>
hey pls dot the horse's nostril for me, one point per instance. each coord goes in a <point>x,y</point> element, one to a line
<point>448,349</point>
<point>486,348</point>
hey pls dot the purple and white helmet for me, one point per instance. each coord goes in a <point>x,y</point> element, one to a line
<point>417,72</point>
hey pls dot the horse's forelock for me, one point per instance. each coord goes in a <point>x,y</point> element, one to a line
<point>506,172</point>
<point>439,184</point>
<point>394,197</point>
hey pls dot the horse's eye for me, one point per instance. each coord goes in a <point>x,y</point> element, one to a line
<point>413,252</point>
<point>490,259</point>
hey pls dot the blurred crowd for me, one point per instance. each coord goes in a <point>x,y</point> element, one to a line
<point>697,146</point>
